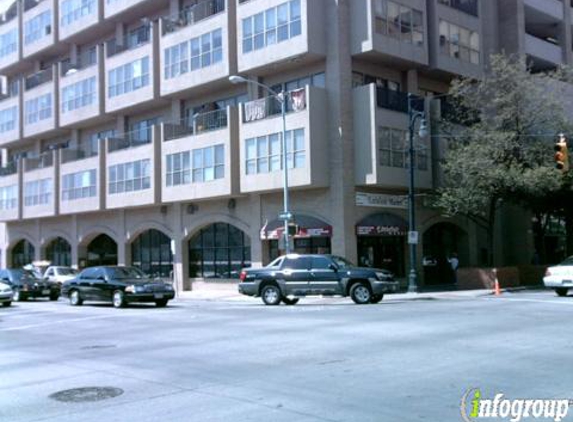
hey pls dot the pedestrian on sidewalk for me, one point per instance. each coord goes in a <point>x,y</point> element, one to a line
<point>454,263</point>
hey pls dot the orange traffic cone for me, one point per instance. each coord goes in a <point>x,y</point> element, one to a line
<point>496,289</point>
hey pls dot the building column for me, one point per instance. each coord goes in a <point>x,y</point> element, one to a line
<point>412,81</point>
<point>565,36</point>
<point>178,249</point>
<point>255,223</point>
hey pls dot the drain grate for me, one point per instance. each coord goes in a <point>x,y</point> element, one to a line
<point>86,394</point>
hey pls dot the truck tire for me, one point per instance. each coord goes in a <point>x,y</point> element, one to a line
<point>376,298</point>
<point>271,295</point>
<point>561,292</point>
<point>360,293</point>
<point>288,301</point>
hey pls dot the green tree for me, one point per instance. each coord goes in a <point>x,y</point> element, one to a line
<point>499,132</point>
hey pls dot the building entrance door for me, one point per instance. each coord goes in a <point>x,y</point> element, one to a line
<point>386,252</point>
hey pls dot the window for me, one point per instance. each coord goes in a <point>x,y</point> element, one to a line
<point>151,252</point>
<point>297,263</point>
<point>129,77</point>
<point>318,79</point>
<point>38,27</point>
<point>393,151</point>
<point>129,177</point>
<point>398,21</point>
<point>459,43</point>
<point>38,108</point>
<point>264,153</point>
<point>142,130</point>
<point>8,197</point>
<point>90,145</point>
<point>8,43</point>
<point>38,192</point>
<point>272,26</point>
<point>8,119</point>
<point>206,49</point>
<point>467,6</point>
<point>78,95</point>
<point>79,185</point>
<point>176,60</point>
<point>73,10</point>
<point>321,263</point>
<point>198,165</point>
<point>219,251</point>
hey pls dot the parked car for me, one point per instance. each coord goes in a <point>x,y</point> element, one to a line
<point>289,277</point>
<point>118,285</point>
<point>6,293</point>
<point>26,284</point>
<point>560,277</point>
<point>59,274</point>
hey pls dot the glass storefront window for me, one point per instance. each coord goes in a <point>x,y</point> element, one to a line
<point>59,252</point>
<point>151,252</point>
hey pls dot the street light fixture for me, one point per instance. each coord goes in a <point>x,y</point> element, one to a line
<point>281,97</point>
<point>413,115</point>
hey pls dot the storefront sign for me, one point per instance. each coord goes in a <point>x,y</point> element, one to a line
<point>364,199</point>
<point>379,231</point>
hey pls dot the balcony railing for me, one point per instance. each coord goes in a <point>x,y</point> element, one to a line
<point>134,39</point>
<point>39,78</point>
<point>271,106</point>
<point>130,140</point>
<point>191,15</point>
<point>396,100</point>
<point>200,123</point>
<point>67,67</point>
<point>70,155</point>
<point>45,160</point>
<point>467,6</point>
<point>10,169</point>
<point>10,14</point>
<point>12,91</point>
<point>30,4</point>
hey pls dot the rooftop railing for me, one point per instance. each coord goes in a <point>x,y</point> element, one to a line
<point>200,123</point>
<point>40,78</point>
<point>272,106</point>
<point>192,14</point>
<point>134,39</point>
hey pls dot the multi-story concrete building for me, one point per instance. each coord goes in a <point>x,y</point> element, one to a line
<point>124,141</point>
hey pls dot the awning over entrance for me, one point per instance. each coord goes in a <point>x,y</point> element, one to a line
<point>308,227</point>
<point>382,224</point>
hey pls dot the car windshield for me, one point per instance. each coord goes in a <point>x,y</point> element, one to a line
<point>24,274</point>
<point>125,273</point>
<point>341,262</point>
<point>66,271</point>
<point>567,261</point>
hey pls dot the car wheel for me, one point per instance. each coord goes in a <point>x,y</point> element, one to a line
<point>376,298</point>
<point>162,303</point>
<point>54,296</point>
<point>118,299</point>
<point>288,301</point>
<point>17,296</point>
<point>360,294</point>
<point>75,298</point>
<point>271,295</point>
<point>6,304</point>
<point>561,292</point>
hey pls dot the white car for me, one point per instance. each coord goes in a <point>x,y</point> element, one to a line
<point>6,294</point>
<point>560,277</point>
<point>59,274</point>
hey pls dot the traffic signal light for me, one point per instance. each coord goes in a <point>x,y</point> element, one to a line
<point>562,154</point>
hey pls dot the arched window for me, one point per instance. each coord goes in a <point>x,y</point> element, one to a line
<point>59,252</point>
<point>102,251</point>
<point>151,252</point>
<point>22,254</point>
<point>219,251</point>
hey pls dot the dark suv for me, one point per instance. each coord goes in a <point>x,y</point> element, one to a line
<point>289,277</point>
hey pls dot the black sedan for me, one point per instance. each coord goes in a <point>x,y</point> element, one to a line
<point>118,285</point>
<point>26,284</point>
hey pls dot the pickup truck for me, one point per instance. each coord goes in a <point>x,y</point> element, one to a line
<point>58,274</point>
<point>290,277</point>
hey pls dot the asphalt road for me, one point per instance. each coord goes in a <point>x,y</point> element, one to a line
<point>321,360</point>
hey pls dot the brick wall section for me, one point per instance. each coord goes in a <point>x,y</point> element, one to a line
<point>483,278</point>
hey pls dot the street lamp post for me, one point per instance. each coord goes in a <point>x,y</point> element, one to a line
<point>281,97</point>
<point>413,115</point>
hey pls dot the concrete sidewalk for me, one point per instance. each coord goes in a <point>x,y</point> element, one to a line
<point>228,292</point>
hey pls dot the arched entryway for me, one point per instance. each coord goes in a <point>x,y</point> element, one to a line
<point>23,253</point>
<point>439,242</point>
<point>102,251</point>
<point>59,252</point>
<point>381,240</point>
<point>219,251</point>
<point>151,251</point>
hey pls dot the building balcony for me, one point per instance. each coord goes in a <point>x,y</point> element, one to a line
<point>40,100</point>
<point>134,164</point>
<point>306,118</point>
<point>72,22</point>
<point>40,202</point>
<point>188,26</point>
<point>10,179</point>
<point>43,35</point>
<point>81,92</point>
<point>137,57</point>
<point>543,51</point>
<point>11,112</point>
<point>211,177</point>
<point>82,187</point>
<point>11,48</point>
<point>381,143</point>
<point>137,8</point>
<point>386,41</point>
<point>298,39</point>
<point>551,8</point>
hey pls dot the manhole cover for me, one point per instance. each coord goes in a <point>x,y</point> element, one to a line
<point>86,394</point>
